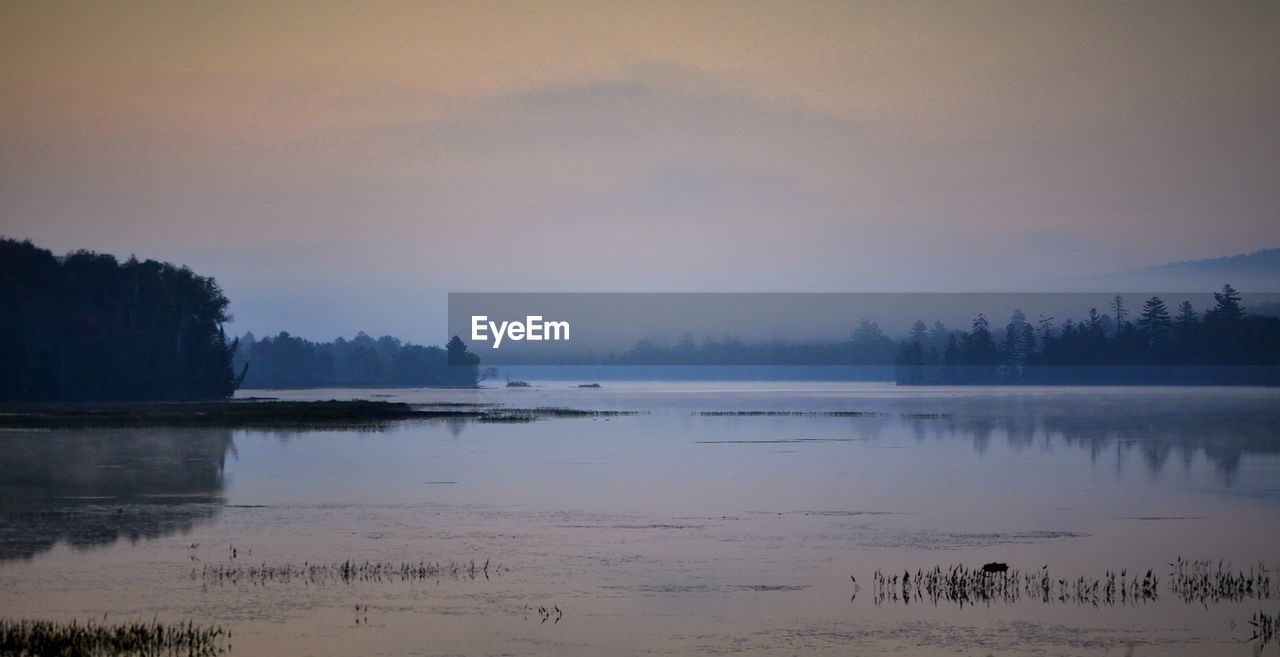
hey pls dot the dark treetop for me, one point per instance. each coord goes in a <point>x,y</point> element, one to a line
<point>88,327</point>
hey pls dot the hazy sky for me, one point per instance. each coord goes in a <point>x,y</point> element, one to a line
<point>341,166</point>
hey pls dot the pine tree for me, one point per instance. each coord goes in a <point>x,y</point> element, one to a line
<point>979,347</point>
<point>1096,324</point>
<point>464,366</point>
<point>1122,313</point>
<point>1187,318</point>
<point>919,332</point>
<point>1226,305</point>
<point>1154,322</point>
<point>1028,339</point>
<point>1014,347</point>
<point>1046,327</point>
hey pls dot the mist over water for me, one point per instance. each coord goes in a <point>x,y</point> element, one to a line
<point>721,517</point>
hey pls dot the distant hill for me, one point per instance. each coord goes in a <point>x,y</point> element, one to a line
<point>1249,272</point>
<point>1264,260</point>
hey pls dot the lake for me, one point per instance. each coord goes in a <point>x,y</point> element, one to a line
<point>719,518</point>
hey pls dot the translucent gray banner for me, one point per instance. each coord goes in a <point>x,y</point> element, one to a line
<point>832,329</point>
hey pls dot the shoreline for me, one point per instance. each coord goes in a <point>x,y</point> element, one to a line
<point>261,413</point>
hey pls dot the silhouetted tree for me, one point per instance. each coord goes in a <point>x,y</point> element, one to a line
<point>464,366</point>
<point>1155,321</point>
<point>1223,330</point>
<point>1226,305</point>
<point>1187,317</point>
<point>978,347</point>
<point>1122,313</point>
<point>1015,348</point>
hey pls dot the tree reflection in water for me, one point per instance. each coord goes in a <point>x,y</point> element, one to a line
<point>92,488</point>
<point>1224,431</point>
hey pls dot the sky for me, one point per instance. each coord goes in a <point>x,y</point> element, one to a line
<point>342,166</point>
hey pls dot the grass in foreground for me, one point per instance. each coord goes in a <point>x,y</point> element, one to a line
<point>76,639</point>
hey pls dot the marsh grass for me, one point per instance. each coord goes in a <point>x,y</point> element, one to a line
<point>347,572</point>
<point>1207,581</point>
<point>1199,582</point>
<point>964,586</point>
<point>1264,629</point>
<point>76,639</point>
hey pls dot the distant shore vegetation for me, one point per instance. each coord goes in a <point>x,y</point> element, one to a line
<point>1155,343</point>
<point>1152,344</point>
<point>89,327</point>
<point>287,361</point>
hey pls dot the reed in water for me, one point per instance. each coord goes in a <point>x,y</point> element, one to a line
<point>346,572</point>
<point>1200,582</point>
<point>43,637</point>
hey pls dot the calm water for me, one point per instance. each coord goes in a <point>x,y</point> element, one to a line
<point>667,532</point>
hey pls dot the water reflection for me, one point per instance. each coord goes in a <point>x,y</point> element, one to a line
<point>1156,432</point>
<point>91,489</point>
<point>668,531</point>
<point>455,426</point>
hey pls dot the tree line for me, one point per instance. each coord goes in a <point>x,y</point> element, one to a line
<point>1156,343</point>
<point>1223,345</point>
<point>86,326</point>
<point>287,361</point>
